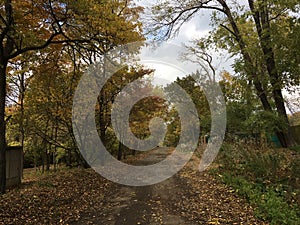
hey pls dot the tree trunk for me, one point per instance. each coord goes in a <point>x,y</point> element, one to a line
<point>55,147</point>
<point>285,137</point>
<point>3,66</point>
<point>5,51</point>
<point>250,68</point>
<point>69,158</point>
<point>21,100</point>
<point>120,150</point>
<point>80,159</point>
<point>47,157</point>
<point>102,122</point>
<point>262,23</point>
<point>21,123</point>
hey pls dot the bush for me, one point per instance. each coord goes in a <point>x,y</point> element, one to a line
<point>28,160</point>
<point>268,179</point>
<point>263,167</point>
<point>295,148</point>
<point>269,203</point>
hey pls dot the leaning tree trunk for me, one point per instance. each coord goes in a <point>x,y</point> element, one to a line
<point>262,23</point>
<point>285,137</point>
<point>3,66</point>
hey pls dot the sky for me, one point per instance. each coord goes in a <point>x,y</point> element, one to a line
<point>169,52</point>
<point>166,63</point>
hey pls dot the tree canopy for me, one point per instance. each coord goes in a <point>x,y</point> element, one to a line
<point>263,33</point>
<point>87,29</point>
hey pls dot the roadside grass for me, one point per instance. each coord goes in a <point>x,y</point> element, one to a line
<point>295,148</point>
<point>267,178</point>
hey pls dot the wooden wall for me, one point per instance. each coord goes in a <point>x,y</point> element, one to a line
<point>14,166</point>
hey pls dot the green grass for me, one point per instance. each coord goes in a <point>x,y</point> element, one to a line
<point>295,148</point>
<point>269,204</point>
<point>267,178</point>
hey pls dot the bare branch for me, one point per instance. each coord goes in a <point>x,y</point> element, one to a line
<point>123,8</point>
<point>182,13</point>
<point>3,20</point>
<point>228,29</point>
<point>8,21</point>
<point>194,9</point>
<point>33,48</point>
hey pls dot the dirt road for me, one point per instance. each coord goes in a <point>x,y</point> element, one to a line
<point>186,198</point>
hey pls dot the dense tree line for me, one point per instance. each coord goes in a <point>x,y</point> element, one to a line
<point>34,34</point>
<point>47,45</point>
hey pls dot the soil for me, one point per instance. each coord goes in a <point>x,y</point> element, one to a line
<point>188,198</point>
<point>81,196</point>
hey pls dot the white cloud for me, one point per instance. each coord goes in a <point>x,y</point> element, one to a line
<point>198,27</point>
<point>166,61</point>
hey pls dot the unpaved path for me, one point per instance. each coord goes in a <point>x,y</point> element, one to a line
<point>189,197</point>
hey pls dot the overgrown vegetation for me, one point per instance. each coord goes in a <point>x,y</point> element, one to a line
<point>267,178</point>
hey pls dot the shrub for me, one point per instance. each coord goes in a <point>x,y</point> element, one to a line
<point>269,203</point>
<point>267,178</point>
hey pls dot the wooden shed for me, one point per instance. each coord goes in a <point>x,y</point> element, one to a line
<point>14,165</point>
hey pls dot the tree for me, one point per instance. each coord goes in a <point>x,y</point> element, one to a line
<point>240,102</point>
<point>173,129</point>
<point>196,93</point>
<point>83,25</point>
<point>144,111</point>
<point>111,89</point>
<point>48,107</point>
<point>295,119</point>
<point>256,33</point>
<point>19,75</point>
<point>139,113</point>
